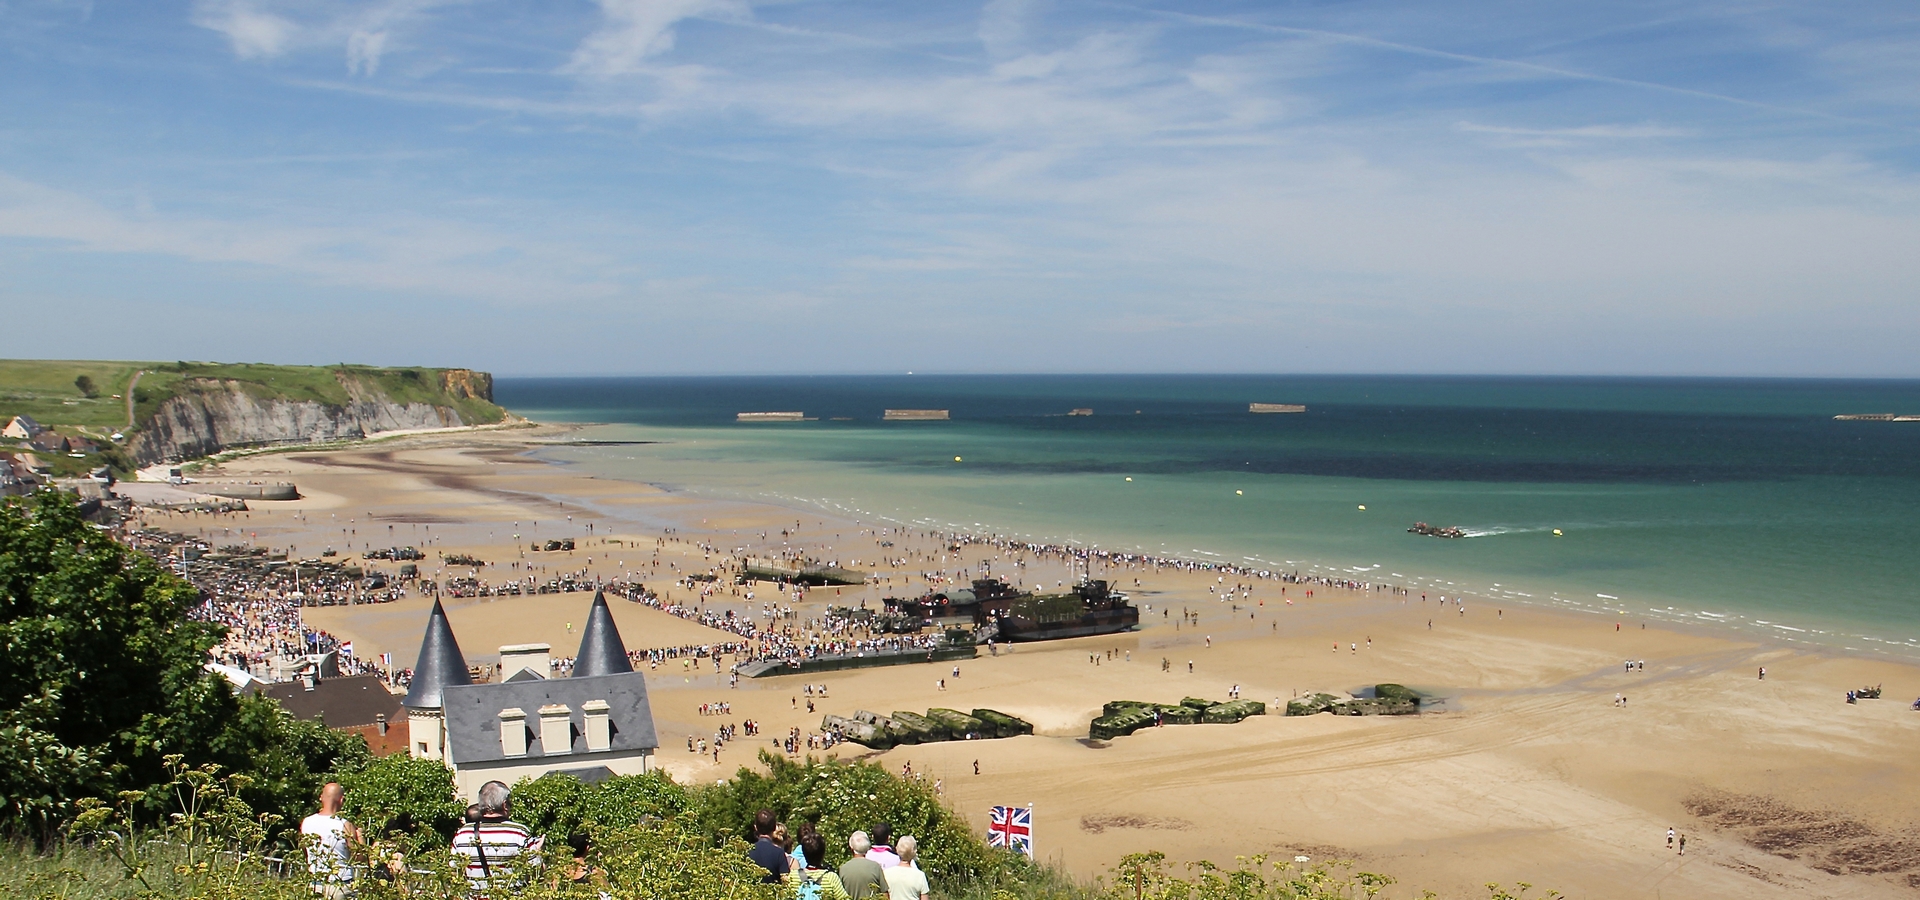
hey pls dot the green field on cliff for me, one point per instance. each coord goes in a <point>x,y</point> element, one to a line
<point>51,391</point>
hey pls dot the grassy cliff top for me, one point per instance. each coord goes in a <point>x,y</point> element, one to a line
<point>51,391</point>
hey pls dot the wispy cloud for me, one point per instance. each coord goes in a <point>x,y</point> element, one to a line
<point>254,31</point>
<point>364,32</point>
<point>634,30</point>
<point>1426,174</point>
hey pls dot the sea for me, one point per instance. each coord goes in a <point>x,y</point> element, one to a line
<point>1737,504</point>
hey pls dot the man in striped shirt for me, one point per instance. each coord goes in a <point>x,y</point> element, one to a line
<point>495,850</point>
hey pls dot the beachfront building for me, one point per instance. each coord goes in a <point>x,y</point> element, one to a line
<point>357,704</point>
<point>22,428</point>
<point>525,723</point>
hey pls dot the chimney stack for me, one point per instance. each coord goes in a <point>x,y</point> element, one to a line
<point>556,729</point>
<point>599,727</point>
<point>533,657</point>
<point>513,732</point>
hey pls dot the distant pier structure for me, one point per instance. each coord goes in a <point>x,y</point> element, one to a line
<point>1275,408</point>
<point>1876,417</point>
<point>916,415</point>
<point>277,491</point>
<point>1082,411</point>
<point>770,417</point>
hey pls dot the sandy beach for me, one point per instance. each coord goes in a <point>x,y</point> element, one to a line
<point>1528,769</point>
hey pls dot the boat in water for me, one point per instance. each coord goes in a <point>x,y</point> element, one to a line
<point>1451,531</point>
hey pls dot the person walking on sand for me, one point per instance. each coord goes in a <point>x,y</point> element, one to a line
<point>1670,834</point>
<point>1683,845</point>
<point>1763,673</point>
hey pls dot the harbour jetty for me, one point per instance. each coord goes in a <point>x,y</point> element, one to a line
<point>1275,408</point>
<point>916,415</point>
<point>276,491</point>
<point>770,417</point>
<point>1876,417</point>
<point>1082,411</point>
<point>766,570</point>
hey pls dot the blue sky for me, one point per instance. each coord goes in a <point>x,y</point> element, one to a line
<point>662,186</point>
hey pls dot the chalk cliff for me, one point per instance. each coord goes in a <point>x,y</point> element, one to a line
<point>208,415</point>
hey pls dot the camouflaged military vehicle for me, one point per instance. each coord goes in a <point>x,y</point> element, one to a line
<point>880,732</point>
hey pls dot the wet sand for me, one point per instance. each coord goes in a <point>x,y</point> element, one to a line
<point>1526,771</point>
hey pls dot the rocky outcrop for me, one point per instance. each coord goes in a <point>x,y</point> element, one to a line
<point>222,415</point>
<point>466,383</point>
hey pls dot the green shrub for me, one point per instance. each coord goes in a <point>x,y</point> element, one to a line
<point>409,800</point>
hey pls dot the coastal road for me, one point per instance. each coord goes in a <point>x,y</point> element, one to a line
<point>130,386</point>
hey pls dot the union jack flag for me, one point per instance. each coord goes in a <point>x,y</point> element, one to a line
<point>1012,827</point>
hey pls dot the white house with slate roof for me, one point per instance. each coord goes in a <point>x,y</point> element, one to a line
<point>595,724</point>
<point>22,428</point>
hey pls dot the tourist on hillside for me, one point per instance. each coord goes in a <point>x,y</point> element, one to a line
<point>882,851</point>
<point>860,877</point>
<point>765,852</point>
<point>491,846</point>
<point>811,879</point>
<point>785,840</point>
<point>905,881</point>
<point>326,835</point>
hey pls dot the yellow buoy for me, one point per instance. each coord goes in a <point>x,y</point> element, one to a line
<point>1556,532</point>
<point>956,459</point>
<point>1363,507</point>
<point>1238,493</point>
<point>1129,477</point>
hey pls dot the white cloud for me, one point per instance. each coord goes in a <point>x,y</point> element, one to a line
<point>1582,131</point>
<point>254,32</point>
<point>366,32</point>
<point>363,51</point>
<point>633,30</point>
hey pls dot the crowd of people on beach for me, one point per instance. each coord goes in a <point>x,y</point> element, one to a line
<point>258,605</point>
<point>259,599</point>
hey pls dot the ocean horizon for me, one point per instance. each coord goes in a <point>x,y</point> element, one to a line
<point>1731,503</point>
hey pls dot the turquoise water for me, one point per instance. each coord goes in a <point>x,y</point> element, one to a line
<point>1735,502</point>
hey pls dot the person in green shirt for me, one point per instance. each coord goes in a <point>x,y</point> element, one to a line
<point>861,877</point>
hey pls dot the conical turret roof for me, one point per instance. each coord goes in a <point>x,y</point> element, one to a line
<point>601,650</point>
<point>439,666</point>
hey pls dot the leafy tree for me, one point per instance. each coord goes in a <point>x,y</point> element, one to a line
<point>285,759</point>
<point>404,797</point>
<point>102,677</point>
<point>558,805</point>
<point>85,384</point>
<point>97,656</point>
